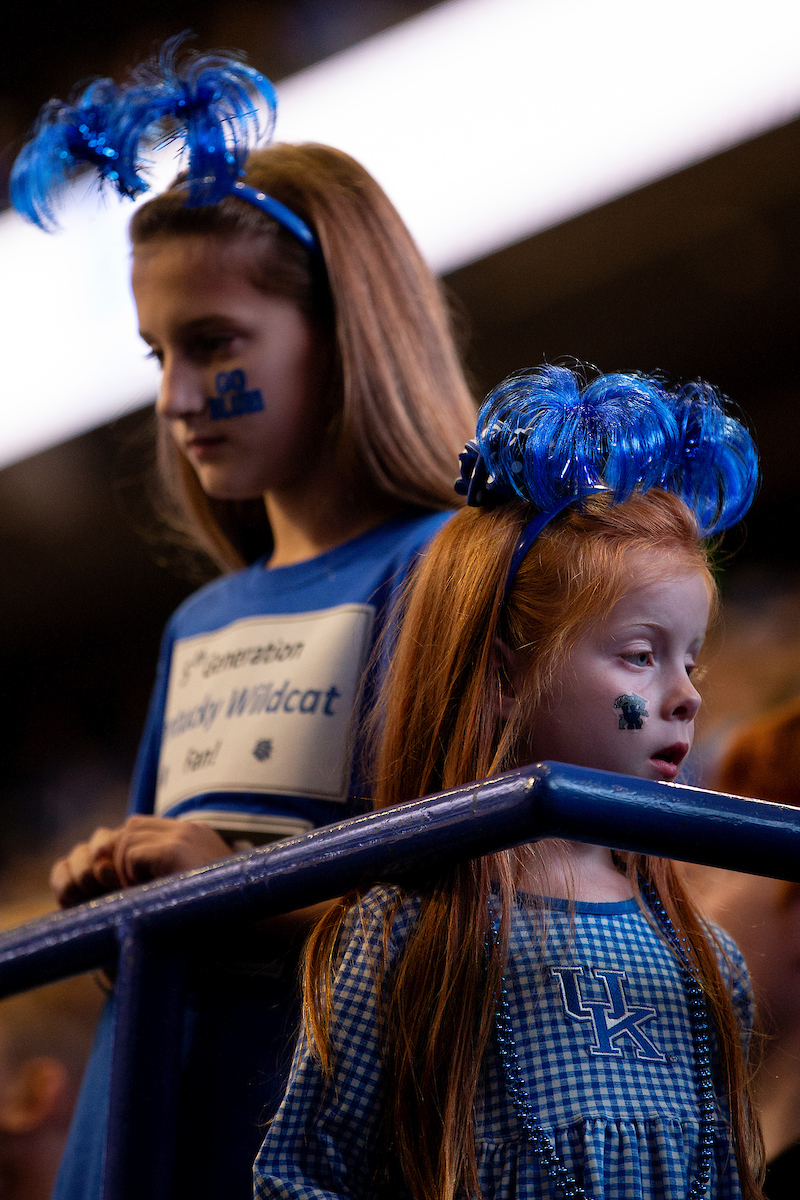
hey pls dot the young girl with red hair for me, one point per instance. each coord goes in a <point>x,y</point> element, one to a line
<point>552,1021</point>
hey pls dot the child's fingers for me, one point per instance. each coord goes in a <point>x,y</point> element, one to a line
<point>87,871</point>
<point>149,847</point>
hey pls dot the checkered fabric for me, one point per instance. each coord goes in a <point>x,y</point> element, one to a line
<point>604,1043</point>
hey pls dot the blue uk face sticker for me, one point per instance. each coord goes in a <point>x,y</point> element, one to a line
<point>233,399</point>
<point>633,710</point>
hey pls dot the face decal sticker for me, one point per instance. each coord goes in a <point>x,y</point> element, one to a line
<point>633,711</point>
<point>233,400</point>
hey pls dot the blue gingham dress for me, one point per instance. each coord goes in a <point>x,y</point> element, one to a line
<point>604,1043</point>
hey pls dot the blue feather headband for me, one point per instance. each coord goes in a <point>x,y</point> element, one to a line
<point>66,138</point>
<point>547,437</point>
<point>209,106</point>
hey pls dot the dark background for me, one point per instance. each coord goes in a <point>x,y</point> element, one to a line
<point>696,275</point>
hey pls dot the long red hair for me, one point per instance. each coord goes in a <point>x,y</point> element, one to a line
<point>443,725</point>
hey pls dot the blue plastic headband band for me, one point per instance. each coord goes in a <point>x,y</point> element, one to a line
<point>283,215</point>
<point>535,527</point>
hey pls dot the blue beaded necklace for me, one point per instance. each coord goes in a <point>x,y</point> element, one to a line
<point>701,1043</point>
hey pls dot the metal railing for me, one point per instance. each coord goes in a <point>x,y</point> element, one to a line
<point>144,930</point>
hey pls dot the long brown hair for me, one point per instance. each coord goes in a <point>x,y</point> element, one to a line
<point>443,725</point>
<point>402,406</point>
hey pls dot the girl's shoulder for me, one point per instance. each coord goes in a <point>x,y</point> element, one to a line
<point>412,531</point>
<point>354,572</point>
<point>380,923</point>
<point>385,551</point>
<point>385,903</point>
<point>733,969</point>
<point>728,953</point>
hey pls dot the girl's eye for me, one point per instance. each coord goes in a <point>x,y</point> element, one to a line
<point>203,349</point>
<point>639,658</point>
<point>156,354</point>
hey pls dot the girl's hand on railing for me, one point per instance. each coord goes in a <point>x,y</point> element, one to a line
<point>87,871</point>
<point>149,847</point>
<point>143,848</point>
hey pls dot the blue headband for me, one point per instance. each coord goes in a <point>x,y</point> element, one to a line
<point>209,106</point>
<point>547,437</point>
<point>535,526</point>
<point>283,215</point>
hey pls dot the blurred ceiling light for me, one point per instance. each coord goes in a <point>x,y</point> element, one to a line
<point>485,120</point>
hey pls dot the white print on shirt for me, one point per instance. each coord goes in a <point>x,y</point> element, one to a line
<point>265,705</point>
<point>612,1018</point>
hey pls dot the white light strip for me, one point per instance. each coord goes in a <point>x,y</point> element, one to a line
<point>489,120</point>
<point>485,120</point>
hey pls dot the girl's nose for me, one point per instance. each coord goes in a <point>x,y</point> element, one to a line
<point>685,699</point>
<point>182,392</point>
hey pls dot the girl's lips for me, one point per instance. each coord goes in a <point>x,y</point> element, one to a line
<point>199,447</point>
<point>667,760</point>
<point>665,770</point>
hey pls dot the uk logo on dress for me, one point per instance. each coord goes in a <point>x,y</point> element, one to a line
<point>612,1019</point>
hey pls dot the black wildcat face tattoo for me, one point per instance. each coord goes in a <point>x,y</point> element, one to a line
<point>633,710</point>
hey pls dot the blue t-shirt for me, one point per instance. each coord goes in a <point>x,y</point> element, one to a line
<point>253,721</point>
<point>256,769</point>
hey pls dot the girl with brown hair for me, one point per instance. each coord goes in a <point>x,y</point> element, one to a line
<point>552,1021</point>
<point>309,381</point>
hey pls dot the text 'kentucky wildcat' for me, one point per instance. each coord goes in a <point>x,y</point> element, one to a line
<point>249,706</point>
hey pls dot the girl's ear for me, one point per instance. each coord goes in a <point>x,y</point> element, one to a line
<point>509,676</point>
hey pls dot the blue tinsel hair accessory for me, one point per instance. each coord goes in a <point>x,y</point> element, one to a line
<point>547,437</point>
<point>67,138</point>
<point>214,108</point>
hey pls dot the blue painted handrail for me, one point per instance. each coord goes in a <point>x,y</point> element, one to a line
<point>142,928</point>
<point>525,805</point>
